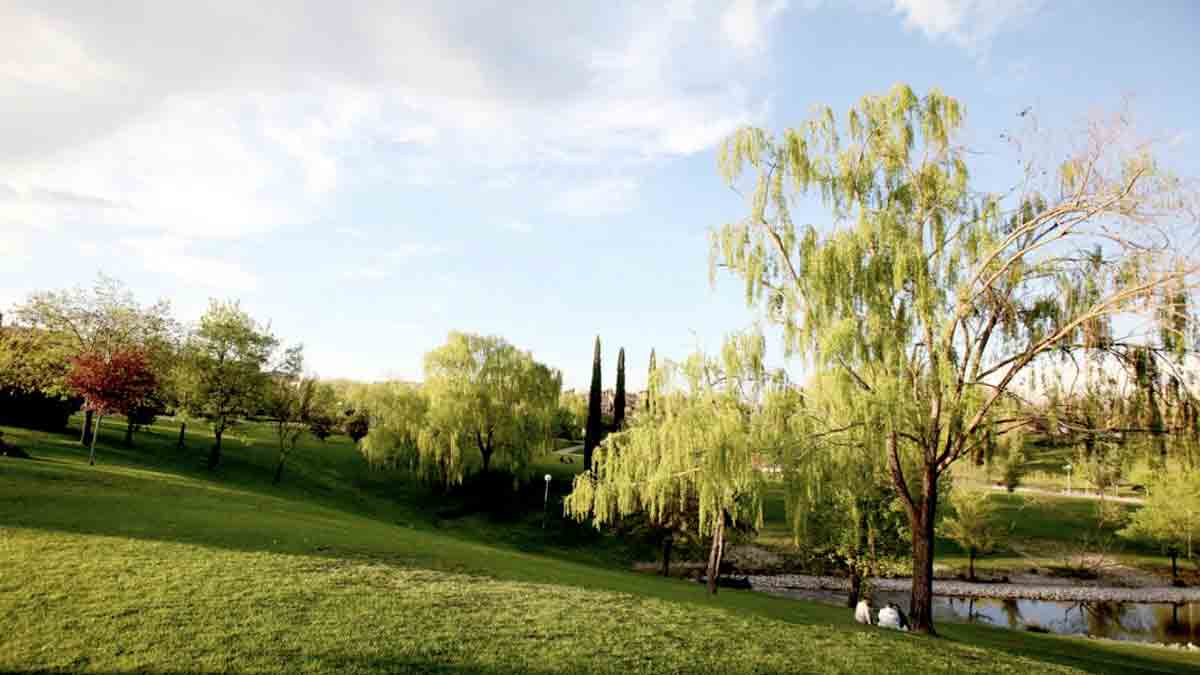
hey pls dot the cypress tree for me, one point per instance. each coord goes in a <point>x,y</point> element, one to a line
<point>591,436</point>
<point>619,395</point>
<point>650,377</point>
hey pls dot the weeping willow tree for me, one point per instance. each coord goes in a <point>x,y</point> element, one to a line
<point>699,451</point>
<point>489,401</point>
<point>924,299</point>
<point>398,412</point>
<point>839,501</point>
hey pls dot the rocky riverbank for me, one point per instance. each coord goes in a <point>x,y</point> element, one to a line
<point>966,589</point>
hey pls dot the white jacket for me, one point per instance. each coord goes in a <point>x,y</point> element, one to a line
<point>862,612</point>
<point>890,618</point>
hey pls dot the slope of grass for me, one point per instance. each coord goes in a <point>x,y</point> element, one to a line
<point>146,562</point>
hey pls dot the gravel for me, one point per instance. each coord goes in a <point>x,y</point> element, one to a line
<point>966,589</point>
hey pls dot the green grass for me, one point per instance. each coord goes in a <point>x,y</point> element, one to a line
<point>146,562</point>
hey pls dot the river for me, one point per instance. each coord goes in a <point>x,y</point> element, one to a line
<point>1134,621</point>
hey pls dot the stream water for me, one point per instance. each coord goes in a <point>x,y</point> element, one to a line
<point>1134,621</point>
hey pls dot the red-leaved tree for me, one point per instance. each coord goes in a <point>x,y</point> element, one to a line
<point>115,385</point>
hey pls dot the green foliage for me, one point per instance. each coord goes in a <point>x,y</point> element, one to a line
<point>708,435</point>
<point>222,368</point>
<point>485,396</point>
<point>571,417</point>
<point>923,299</point>
<point>1014,461</point>
<point>1170,517</point>
<point>973,525</point>
<point>289,401</point>
<point>397,418</point>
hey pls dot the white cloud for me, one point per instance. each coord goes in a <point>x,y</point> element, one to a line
<point>175,257</point>
<point>744,23</point>
<point>596,198</point>
<point>241,119</point>
<point>971,24</point>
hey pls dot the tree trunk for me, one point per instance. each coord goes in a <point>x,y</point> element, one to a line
<point>666,553</point>
<point>487,459</point>
<point>855,587</point>
<point>717,552</point>
<point>214,455</point>
<point>182,429</point>
<point>278,471</point>
<point>1174,563</point>
<point>971,564</point>
<point>85,434</point>
<point>860,548</point>
<point>129,433</point>
<point>921,612</point>
<point>95,433</point>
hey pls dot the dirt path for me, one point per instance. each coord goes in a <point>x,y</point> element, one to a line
<point>1080,494</point>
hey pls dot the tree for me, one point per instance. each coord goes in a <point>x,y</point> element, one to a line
<point>838,495</point>
<point>619,394</point>
<point>715,420</point>
<point>925,298</point>
<point>224,361</point>
<point>398,415</point>
<point>100,321</point>
<point>323,410</point>
<point>593,431</point>
<point>651,375</point>
<point>357,424</point>
<point>112,384</point>
<point>34,364</point>
<point>289,403</point>
<point>487,395</point>
<point>1170,517</point>
<point>973,524</point>
<point>572,415</point>
<point>184,389</point>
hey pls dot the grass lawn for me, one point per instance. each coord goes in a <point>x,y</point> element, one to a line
<point>146,562</point>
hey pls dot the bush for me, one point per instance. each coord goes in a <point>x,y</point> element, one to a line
<point>35,410</point>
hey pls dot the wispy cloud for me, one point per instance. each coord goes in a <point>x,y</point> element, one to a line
<point>258,135</point>
<point>176,257</point>
<point>596,198</point>
<point>971,24</point>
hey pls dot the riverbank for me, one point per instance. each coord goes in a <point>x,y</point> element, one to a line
<point>966,589</point>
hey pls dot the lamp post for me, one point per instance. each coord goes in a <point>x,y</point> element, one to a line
<point>1069,468</point>
<point>546,501</point>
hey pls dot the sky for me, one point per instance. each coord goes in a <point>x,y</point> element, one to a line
<point>368,176</point>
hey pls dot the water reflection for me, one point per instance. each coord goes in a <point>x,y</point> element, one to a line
<point>1134,621</point>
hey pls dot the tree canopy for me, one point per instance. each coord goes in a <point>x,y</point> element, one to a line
<point>487,400</point>
<point>924,298</point>
<point>223,364</point>
<point>714,422</point>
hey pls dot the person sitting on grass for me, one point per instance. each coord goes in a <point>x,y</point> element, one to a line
<point>893,617</point>
<point>862,612</point>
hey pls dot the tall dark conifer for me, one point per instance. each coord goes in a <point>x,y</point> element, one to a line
<point>591,436</point>
<point>619,395</point>
<point>650,383</point>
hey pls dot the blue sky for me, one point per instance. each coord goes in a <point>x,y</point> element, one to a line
<point>368,177</point>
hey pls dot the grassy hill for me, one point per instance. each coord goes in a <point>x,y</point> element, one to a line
<point>146,562</point>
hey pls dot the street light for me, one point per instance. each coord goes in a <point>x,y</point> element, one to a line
<point>546,501</point>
